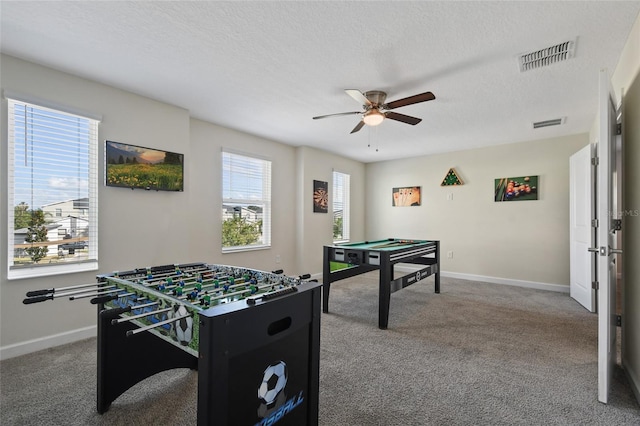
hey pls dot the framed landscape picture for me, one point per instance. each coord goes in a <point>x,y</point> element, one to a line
<point>522,188</point>
<point>132,166</point>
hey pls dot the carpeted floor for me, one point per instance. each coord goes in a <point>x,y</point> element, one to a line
<point>478,353</point>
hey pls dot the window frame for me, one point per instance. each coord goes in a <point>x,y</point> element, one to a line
<point>345,201</point>
<point>14,100</point>
<point>265,202</point>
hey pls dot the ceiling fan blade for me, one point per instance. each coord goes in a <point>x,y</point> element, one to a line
<point>415,99</point>
<point>401,117</point>
<point>358,96</point>
<point>340,113</point>
<point>358,127</point>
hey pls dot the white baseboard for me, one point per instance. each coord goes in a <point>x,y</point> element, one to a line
<point>472,277</point>
<point>508,281</point>
<point>47,342</point>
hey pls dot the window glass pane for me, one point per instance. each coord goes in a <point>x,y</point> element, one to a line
<point>340,206</point>
<point>52,187</point>
<point>246,202</point>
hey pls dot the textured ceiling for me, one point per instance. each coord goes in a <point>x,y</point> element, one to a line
<point>267,68</point>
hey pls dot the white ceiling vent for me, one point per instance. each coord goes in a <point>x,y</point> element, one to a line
<point>547,56</point>
<point>547,123</point>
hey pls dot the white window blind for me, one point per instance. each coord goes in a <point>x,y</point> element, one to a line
<point>341,187</point>
<point>246,202</point>
<point>52,186</point>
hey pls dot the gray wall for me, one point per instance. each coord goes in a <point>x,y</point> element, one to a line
<point>141,228</point>
<point>626,84</point>
<point>311,234</point>
<point>631,227</point>
<point>516,240</point>
<point>135,226</point>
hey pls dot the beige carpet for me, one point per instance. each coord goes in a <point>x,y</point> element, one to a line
<point>477,353</point>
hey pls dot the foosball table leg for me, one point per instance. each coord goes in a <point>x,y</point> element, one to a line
<point>124,361</point>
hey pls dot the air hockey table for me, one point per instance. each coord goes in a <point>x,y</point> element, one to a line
<point>362,257</point>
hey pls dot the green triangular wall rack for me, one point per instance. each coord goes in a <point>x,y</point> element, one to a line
<point>451,178</point>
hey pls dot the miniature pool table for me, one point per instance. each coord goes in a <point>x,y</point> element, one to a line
<point>359,258</point>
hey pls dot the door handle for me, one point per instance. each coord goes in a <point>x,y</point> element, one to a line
<point>593,249</point>
<point>614,251</point>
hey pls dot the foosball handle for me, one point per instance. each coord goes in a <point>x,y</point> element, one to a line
<point>40,292</point>
<point>119,311</point>
<point>305,276</point>
<point>102,299</point>
<point>251,301</point>
<point>37,299</point>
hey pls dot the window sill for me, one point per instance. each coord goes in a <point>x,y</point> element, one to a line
<point>44,271</point>
<point>340,241</point>
<point>227,250</point>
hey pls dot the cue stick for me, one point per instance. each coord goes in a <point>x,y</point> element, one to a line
<point>146,314</point>
<point>158,324</point>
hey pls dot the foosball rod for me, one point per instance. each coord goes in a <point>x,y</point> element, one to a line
<point>158,324</point>
<point>174,274</point>
<point>147,271</point>
<point>96,294</point>
<point>235,293</point>
<point>51,296</point>
<point>129,308</point>
<point>133,317</point>
<point>46,291</point>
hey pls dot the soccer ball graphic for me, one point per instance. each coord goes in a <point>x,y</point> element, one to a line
<point>273,382</point>
<point>184,327</point>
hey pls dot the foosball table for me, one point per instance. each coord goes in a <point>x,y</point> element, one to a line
<point>253,336</point>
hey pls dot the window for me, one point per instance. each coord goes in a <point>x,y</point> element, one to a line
<point>340,206</point>
<point>52,187</point>
<point>246,202</point>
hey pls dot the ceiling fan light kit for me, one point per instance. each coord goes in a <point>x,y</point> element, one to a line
<point>376,110</point>
<point>373,117</point>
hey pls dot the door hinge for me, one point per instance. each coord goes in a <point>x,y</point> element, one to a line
<point>619,129</point>
<point>595,161</point>
<point>619,320</point>
<point>594,223</point>
<point>616,225</point>
<point>595,285</point>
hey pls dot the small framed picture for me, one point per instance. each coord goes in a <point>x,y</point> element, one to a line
<point>520,188</point>
<point>406,196</point>
<point>320,196</point>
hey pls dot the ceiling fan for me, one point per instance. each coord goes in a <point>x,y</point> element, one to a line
<point>376,110</point>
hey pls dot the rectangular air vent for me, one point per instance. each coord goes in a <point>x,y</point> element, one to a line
<point>547,56</point>
<point>547,123</point>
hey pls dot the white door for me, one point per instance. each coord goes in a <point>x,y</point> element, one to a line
<point>605,237</point>
<point>581,231</point>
